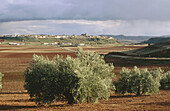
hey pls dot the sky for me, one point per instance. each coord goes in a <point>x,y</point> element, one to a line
<point>94,17</point>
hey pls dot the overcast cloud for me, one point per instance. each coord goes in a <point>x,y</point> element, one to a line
<point>134,27</point>
<point>129,17</point>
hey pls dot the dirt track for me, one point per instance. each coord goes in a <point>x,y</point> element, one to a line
<point>14,97</point>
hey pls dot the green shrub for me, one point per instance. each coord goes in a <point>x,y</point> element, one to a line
<point>83,79</point>
<point>40,79</point>
<point>138,81</point>
<point>165,81</point>
<point>1,75</point>
<point>95,77</point>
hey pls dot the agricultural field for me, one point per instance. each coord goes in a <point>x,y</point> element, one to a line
<point>15,59</point>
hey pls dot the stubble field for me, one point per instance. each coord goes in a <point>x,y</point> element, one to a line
<point>14,60</point>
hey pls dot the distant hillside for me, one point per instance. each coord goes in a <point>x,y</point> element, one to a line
<point>130,39</point>
<point>157,50</point>
<point>88,41</point>
<point>156,40</point>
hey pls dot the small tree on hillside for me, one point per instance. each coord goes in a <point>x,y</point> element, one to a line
<point>139,81</point>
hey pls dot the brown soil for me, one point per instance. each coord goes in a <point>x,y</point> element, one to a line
<point>14,97</point>
<point>20,101</point>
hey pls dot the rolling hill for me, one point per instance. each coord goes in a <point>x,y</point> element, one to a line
<point>140,39</point>
<point>156,50</point>
<point>156,40</point>
<point>130,39</point>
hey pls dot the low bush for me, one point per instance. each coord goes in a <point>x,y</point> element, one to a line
<point>138,81</point>
<point>1,75</point>
<point>83,79</point>
<point>165,81</point>
<point>40,79</point>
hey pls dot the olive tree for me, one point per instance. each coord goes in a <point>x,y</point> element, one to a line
<point>165,81</point>
<point>40,79</point>
<point>139,81</point>
<point>83,79</point>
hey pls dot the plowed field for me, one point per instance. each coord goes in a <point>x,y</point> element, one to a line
<point>14,60</point>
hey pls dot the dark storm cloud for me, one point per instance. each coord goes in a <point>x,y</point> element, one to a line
<point>18,10</point>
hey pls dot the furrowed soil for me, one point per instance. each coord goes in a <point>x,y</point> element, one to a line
<point>13,96</point>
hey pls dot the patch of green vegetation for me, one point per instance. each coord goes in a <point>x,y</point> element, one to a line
<point>138,81</point>
<point>165,81</point>
<point>89,41</point>
<point>86,78</point>
<point>1,75</point>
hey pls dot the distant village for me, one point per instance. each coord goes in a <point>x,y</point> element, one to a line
<point>53,36</point>
<point>56,36</point>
